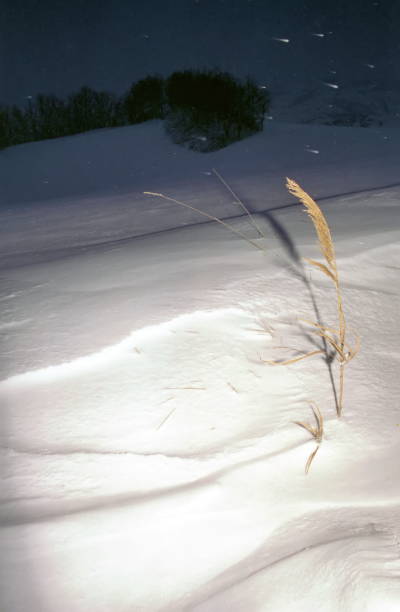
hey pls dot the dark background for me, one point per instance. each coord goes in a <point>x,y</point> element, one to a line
<point>57,46</point>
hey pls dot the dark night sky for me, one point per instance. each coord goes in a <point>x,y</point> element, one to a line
<point>57,46</point>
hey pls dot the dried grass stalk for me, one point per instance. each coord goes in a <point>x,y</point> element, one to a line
<point>241,204</point>
<point>325,244</point>
<point>336,338</point>
<point>204,214</point>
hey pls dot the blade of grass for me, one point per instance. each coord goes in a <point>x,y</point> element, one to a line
<point>204,214</point>
<point>239,201</point>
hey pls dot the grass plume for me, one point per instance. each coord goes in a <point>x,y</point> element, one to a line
<point>334,337</point>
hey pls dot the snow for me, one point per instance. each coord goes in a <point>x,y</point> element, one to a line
<point>150,457</point>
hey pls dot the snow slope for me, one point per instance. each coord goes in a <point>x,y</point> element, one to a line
<point>150,459</point>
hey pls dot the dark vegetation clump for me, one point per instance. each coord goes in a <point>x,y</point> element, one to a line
<point>207,110</point>
<point>47,116</point>
<point>203,110</point>
<point>90,110</point>
<point>145,100</point>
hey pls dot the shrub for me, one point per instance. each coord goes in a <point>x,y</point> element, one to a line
<point>207,110</point>
<point>5,135</point>
<point>89,110</point>
<point>206,91</point>
<point>200,131</point>
<point>145,100</point>
<point>49,117</point>
<point>16,126</point>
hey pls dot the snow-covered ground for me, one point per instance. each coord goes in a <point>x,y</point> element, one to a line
<point>149,457</point>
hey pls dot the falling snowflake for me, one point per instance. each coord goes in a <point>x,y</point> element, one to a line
<point>309,150</point>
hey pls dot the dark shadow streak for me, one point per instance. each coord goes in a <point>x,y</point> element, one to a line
<point>32,515</point>
<point>29,258</point>
<point>208,591</point>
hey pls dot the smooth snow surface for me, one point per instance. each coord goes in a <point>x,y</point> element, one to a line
<point>150,459</point>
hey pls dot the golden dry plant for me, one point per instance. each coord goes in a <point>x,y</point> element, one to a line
<point>317,432</point>
<point>335,337</point>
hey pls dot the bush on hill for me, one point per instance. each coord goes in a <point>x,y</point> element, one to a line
<point>90,110</point>
<point>145,100</point>
<point>204,110</point>
<point>207,110</point>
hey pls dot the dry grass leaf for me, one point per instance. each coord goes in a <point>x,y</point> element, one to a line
<point>322,267</point>
<point>310,459</point>
<point>293,360</point>
<point>316,431</point>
